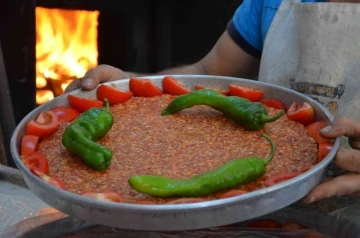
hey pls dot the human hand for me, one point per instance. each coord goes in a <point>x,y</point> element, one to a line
<point>94,76</point>
<point>346,158</point>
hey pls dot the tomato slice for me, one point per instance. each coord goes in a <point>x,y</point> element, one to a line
<point>199,87</point>
<point>144,88</point>
<point>324,149</point>
<point>36,161</point>
<point>106,196</point>
<point>83,104</point>
<point>273,102</point>
<point>66,114</point>
<point>280,178</point>
<point>244,92</point>
<point>233,193</point>
<point>114,95</point>
<point>29,144</point>
<point>304,114</point>
<point>264,223</point>
<point>46,124</point>
<point>174,87</point>
<point>313,131</point>
<point>50,180</point>
<point>292,226</point>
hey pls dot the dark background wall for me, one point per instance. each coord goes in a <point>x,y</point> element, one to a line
<point>137,35</point>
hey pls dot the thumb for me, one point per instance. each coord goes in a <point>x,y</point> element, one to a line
<point>101,74</point>
<point>95,76</point>
<point>342,126</point>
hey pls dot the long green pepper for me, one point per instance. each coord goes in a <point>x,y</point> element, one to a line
<point>80,137</point>
<point>250,115</point>
<point>234,173</point>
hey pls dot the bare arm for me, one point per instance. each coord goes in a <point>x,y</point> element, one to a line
<point>226,58</point>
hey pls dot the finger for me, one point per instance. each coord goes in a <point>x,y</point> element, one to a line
<point>342,126</point>
<point>339,186</point>
<point>75,84</point>
<point>101,74</point>
<point>348,159</point>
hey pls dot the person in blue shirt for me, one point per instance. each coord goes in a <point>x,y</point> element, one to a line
<point>289,43</point>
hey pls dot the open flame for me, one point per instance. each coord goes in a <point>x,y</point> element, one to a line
<point>66,47</point>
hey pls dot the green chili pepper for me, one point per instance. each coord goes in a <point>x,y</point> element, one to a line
<point>80,137</point>
<point>234,173</point>
<point>250,115</point>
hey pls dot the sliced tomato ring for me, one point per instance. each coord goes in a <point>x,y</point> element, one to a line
<point>264,223</point>
<point>324,149</point>
<point>36,161</point>
<point>273,103</point>
<point>313,131</point>
<point>187,200</point>
<point>113,94</point>
<point>50,180</point>
<point>303,114</point>
<point>174,87</point>
<point>199,87</point>
<point>105,196</point>
<point>64,113</point>
<point>142,87</point>
<point>245,92</point>
<point>83,104</point>
<point>29,144</point>
<point>45,124</point>
<point>280,178</point>
<point>233,193</point>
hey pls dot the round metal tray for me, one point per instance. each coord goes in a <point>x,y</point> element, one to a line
<point>180,216</point>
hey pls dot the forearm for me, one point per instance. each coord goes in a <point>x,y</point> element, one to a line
<point>184,69</point>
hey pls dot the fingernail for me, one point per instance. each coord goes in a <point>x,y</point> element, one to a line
<point>309,199</point>
<point>87,82</point>
<point>326,129</point>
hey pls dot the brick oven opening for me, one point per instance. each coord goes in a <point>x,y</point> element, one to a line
<point>66,47</point>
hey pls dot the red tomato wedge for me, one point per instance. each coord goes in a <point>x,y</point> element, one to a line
<point>83,104</point>
<point>144,87</point>
<point>66,114</point>
<point>273,103</point>
<point>50,180</point>
<point>36,161</point>
<point>264,223</point>
<point>313,131</point>
<point>233,193</point>
<point>46,124</point>
<point>280,178</point>
<point>292,226</point>
<point>106,196</point>
<point>303,114</point>
<point>114,95</point>
<point>199,87</point>
<point>29,144</point>
<point>244,92</point>
<point>174,87</point>
<point>324,149</point>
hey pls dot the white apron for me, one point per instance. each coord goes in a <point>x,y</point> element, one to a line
<point>314,48</point>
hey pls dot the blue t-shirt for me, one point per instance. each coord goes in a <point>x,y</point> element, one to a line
<point>251,22</point>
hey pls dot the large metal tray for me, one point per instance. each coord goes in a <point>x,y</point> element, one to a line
<point>180,216</point>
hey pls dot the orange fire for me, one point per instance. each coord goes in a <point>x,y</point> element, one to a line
<point>66,47</point>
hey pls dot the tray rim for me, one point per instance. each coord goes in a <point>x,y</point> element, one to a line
<point>160,208</point>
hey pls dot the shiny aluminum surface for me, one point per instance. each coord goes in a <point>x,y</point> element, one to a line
<point>180,216</point>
